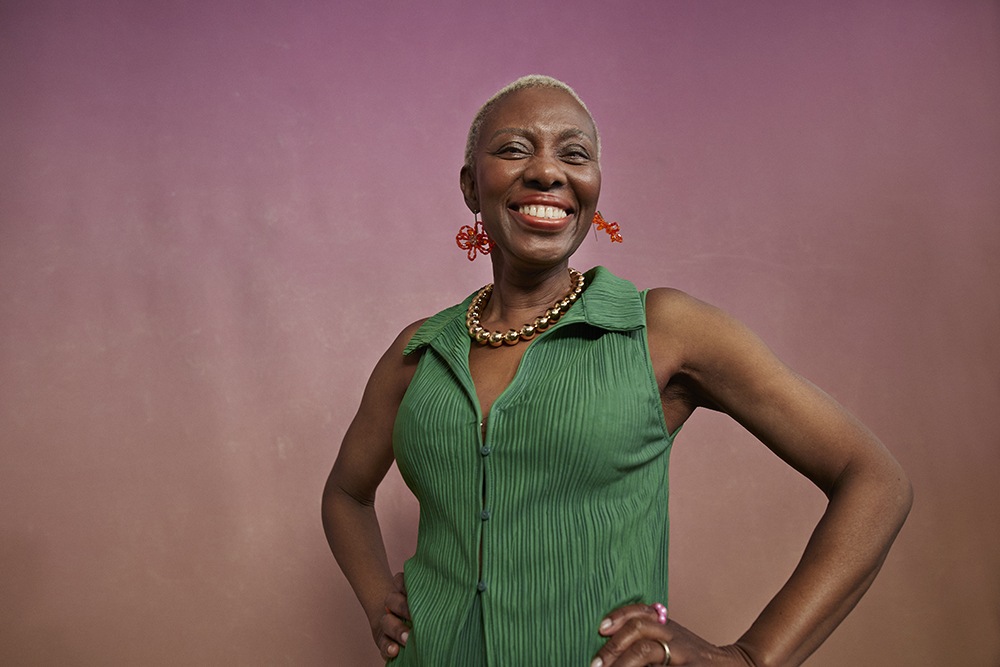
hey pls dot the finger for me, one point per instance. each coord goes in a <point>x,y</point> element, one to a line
<point>398,583</point>
<point>642,653</point>
<point>396,600</point>
<point>396,603</point>
<point>620,643</point>
<point>394,629</point>
<point>617,618</point>
<point>387,649</point>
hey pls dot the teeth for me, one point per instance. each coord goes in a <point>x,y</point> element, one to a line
<point>547,212</point>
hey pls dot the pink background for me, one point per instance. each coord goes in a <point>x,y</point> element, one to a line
<point>215,216</point>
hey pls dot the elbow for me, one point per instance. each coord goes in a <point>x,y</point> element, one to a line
<point>896,494</point>
<point>336,500</point>
<point>326,507</point>
<point>328,501</point>
<point>883,487</point>
<point>904,496</point>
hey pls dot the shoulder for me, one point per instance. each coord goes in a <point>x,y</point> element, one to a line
<point>406,335</point>
<point>422,332</point>
<point>673,314</point>
<point>698,335</point>
<point>406,349</point>
<point>667,302</point>
<point>395,368</point>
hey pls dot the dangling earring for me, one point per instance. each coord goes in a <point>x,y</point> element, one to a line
<point>612,228</point>
<point>474,238</point>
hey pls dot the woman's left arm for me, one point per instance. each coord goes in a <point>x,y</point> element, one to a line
<point>721,364</point>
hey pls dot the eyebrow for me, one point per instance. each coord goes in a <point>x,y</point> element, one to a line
<point>565,134</point>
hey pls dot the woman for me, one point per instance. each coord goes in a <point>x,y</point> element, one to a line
<point>541,463</point>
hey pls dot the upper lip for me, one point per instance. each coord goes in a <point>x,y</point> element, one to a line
<point>542,200</point>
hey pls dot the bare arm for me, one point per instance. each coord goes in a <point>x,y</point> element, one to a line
<point>706,358</point>
<point>349,519</point>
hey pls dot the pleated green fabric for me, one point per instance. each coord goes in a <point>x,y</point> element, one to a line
<point>564,500</point>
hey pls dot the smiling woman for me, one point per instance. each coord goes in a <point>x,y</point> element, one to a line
<point>540,456</point>
<point>544,137</point>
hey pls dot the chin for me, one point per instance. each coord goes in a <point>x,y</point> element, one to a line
<point>544,257</point>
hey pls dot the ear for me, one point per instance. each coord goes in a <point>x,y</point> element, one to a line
<point>467,181</point>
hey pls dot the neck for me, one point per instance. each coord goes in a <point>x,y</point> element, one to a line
<point>520,296</point>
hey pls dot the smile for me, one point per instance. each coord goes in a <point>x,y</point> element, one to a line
<point>544,212</point>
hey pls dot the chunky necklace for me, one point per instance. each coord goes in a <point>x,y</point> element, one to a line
<point>528,331</point>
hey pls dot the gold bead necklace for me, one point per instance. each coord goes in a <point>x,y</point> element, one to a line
<point>528,331</point>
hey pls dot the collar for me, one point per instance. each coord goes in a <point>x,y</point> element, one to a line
<point>607,302</point>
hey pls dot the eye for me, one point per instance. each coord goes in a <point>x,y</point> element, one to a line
<point>513,150</point>
<point>575,154</point>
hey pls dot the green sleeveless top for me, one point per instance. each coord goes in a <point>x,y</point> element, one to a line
<point>530,535</point>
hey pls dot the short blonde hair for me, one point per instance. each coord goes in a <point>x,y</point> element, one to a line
<point>529,81</point>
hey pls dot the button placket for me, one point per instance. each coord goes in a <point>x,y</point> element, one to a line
<point>484,544</point>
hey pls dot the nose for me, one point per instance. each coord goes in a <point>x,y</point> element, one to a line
<point>544,172</point>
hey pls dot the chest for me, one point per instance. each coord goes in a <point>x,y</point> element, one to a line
<point>584,402</point>
<point>492,370</point>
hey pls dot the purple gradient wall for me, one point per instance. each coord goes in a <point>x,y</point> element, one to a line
<point>214,217</point>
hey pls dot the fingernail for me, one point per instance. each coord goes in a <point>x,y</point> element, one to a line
<point>605,624</point>
<point>403,637</point>
<point>597,662</point>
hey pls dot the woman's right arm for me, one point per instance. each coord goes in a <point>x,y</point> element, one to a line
<point>349,518</point>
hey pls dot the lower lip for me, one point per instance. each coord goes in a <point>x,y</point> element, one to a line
<point>542,224</point>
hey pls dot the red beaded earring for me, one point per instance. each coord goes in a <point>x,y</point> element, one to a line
<point>612,228</point>
<point>474,238</point>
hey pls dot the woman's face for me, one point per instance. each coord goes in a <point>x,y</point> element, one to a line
<point>535,176</point>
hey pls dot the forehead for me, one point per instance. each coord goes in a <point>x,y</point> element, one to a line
<point>538,108</point>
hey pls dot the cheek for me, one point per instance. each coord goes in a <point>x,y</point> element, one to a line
<point>492,188</point>
<point>590,183</point>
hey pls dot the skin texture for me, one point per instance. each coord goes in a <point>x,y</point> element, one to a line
<point>538,146</point>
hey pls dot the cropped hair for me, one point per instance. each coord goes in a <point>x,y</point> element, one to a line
<point>529,81</point>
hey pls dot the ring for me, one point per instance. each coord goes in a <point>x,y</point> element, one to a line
<point>661,615</point>
<point>666,649</point>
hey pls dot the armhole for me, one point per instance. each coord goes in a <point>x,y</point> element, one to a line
<point>421,353</point>
<point>651,372</point>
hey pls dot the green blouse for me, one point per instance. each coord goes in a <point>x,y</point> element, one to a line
<point>530,535</point>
